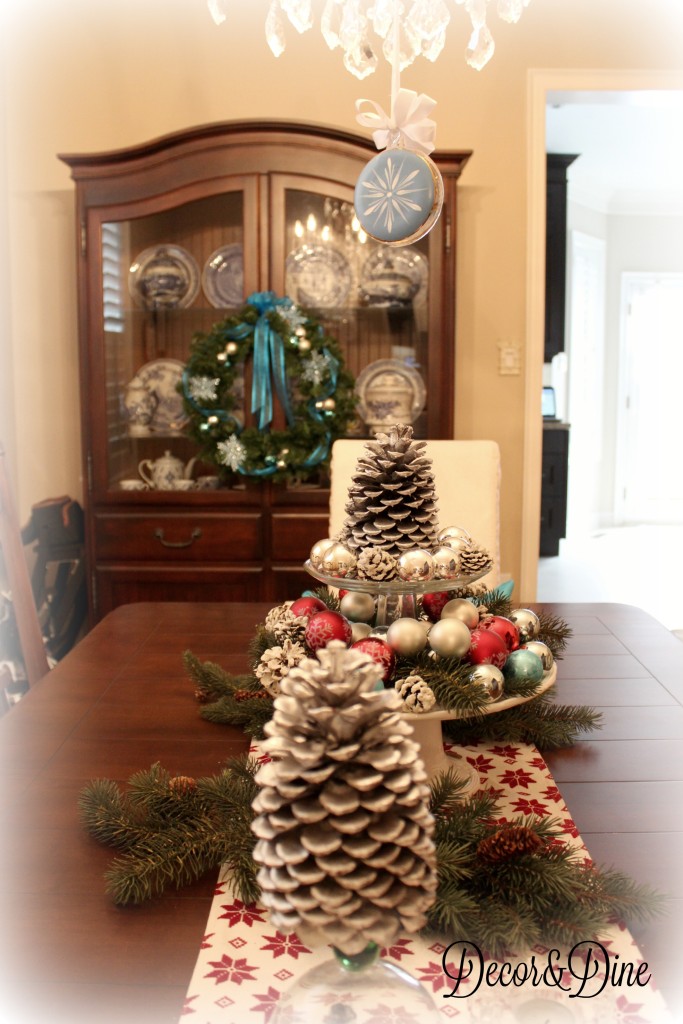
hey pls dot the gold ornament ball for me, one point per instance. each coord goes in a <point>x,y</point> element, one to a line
<point>490,678</point>
<point>304,344</point>
<point>338,560</point>
<point>460,608</point>
<point>527,623</point>
<point>416,566</point>
<point>543,651</point>
<point>406,636</point>
<point>449,638</point>
<point>357,606</point>
<point>231,348</point>
<point>329,404</point>
<point>454,537</point>
<point>446,562</point>
<point>359,630</point>
<point>318,550</point>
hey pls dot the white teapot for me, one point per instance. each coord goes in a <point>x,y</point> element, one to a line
<point>162,474</point>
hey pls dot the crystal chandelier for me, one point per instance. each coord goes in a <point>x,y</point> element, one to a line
<point>365,28</point>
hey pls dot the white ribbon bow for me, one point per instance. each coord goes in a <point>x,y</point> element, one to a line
<point>408,122</point>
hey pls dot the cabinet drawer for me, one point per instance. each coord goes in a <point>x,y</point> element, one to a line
<point>294,534</point>
<point>179,538</point>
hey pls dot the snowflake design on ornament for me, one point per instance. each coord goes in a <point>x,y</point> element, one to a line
<point>389,193</point>
<point>232,452</point>
<point>315,368</point>
<point>293,317</point>
<point>203,389</point>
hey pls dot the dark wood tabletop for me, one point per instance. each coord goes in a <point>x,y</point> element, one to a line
<point>121,701</point>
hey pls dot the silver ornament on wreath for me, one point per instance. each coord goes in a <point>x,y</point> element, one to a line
<point>527,623</point>
<point>491,680</point>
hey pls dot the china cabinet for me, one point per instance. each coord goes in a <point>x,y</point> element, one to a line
<point>172,236</point>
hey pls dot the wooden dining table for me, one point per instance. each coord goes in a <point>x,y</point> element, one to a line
<point>121,701</point>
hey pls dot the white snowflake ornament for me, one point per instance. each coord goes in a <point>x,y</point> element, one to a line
<point>203,389</point>
<point>232,452</point>
<point>315,368</point>
<point>293,317</point>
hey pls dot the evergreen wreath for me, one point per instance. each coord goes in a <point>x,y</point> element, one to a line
<point>506,887</point>
<point>240,700</point>
<point>294,359</point>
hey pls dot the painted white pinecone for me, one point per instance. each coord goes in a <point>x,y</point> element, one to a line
<point>375,564</point>
<point>474,560</point>
<point>391,501</point>
<point>342,819</point>
<point>283,623</point>
<point>276,662</point>
<point>417,696</point>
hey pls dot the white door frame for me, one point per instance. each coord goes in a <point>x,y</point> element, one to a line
<point>539,82</point>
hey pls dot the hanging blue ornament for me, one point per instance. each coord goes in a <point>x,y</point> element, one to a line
<point>398,196</point>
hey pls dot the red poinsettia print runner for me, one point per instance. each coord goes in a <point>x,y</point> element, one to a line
<point>246,966</point>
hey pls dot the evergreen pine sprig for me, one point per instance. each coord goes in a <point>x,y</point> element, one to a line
<point>174,829</point>
<point>547,725</point>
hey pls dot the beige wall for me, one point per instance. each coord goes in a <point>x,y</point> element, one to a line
<point>84,76</point>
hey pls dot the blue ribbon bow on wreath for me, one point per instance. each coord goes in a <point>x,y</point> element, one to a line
<point>269,358</point>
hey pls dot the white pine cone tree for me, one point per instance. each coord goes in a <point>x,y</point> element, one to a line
<point>474,560</point>
<point>276,662</point>
<point>391,501</point>
<point>375,564</point>
<point>342,819</point>
<point>416,694</point>
<point>284,624</point>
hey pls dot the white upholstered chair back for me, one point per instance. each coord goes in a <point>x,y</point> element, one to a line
<point>467,483</point>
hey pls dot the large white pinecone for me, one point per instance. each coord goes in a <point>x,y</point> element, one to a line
<point>343,822</point>
<point>391,501</point>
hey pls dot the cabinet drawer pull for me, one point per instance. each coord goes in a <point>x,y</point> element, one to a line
<point>195,535</point>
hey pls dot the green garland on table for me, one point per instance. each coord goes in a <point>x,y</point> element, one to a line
<point>505,887</point>
<point>240,700</point>
<point>293,359</point>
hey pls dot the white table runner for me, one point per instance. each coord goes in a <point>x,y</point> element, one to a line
<point>245,964</point>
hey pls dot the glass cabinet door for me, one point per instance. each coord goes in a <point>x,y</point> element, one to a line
<point>165,275</point>
<point>373,298</point>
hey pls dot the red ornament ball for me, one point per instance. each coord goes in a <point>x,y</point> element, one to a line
<point>505,628</point>
<point>325,626</point>
<point>379,651</point>
<point>487,648</point>
<point>307,606</point>
<point>432,604</point>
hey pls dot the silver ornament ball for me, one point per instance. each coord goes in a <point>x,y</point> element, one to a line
<point>460,608</point>
<point>454,537</point>
<point>490,678</point>
<point>416,566</point>
<point>449,638</point>
<point>338,560</point>
<point>527,622</point>
<point>446,563</point>
<point>357,606</point>
<point>543,651</point>
<point>406,636</point>
<point>318,550</point>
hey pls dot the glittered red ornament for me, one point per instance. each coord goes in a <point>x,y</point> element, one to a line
<point>487,648</point>
<point>432,604</point>
<point>325,626</point>
<point>505,629</point>
<point>307,606</point>
<point>379,651</point>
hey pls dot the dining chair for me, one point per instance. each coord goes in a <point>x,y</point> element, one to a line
<point>467,485</point>
<point>17,575</point>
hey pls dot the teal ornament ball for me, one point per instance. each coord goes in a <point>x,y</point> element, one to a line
<point>398,196</point>
<point>523,666</point>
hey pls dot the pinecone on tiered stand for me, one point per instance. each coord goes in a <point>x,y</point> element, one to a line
<point>343,822</point>
<point>284,624</point>
<point>375,564</point>
<point>474,561</point>
<point>391,501</point>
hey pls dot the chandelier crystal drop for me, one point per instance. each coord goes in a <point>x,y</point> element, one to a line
<point>366,29</point>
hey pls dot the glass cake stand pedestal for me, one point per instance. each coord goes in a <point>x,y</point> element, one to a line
<point>397,599</point>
